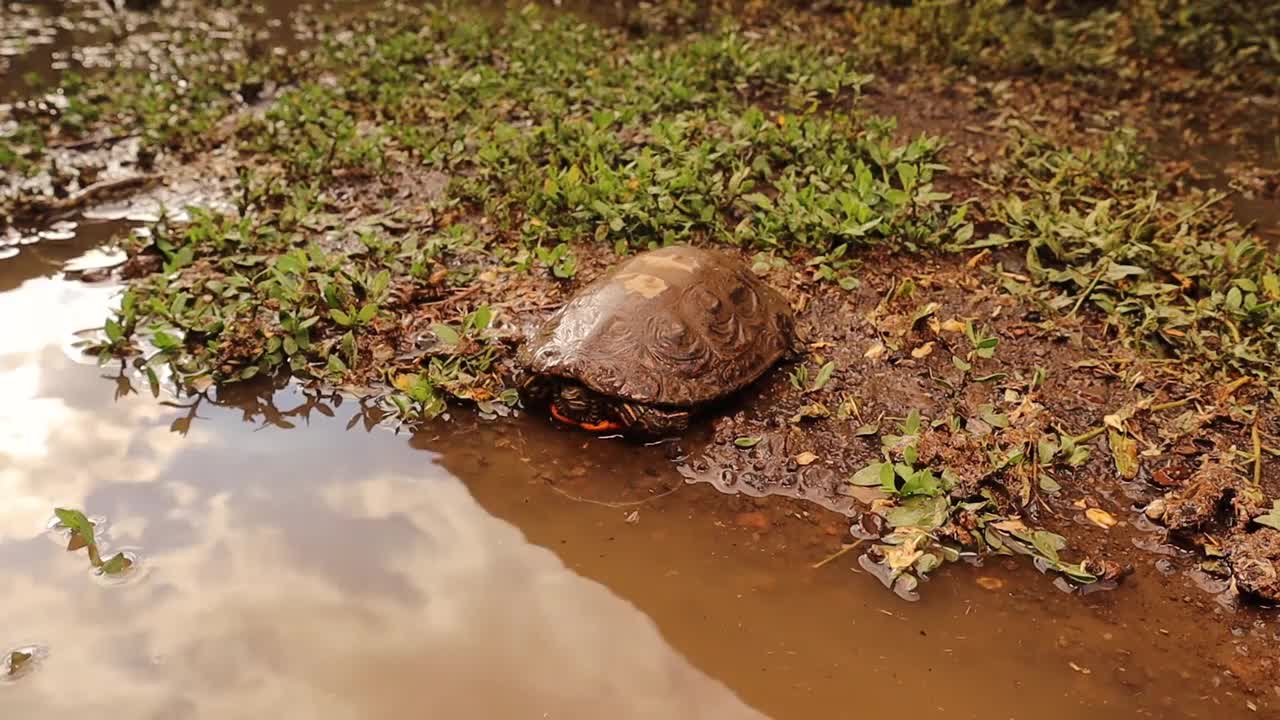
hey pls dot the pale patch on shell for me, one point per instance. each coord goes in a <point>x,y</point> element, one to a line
<point>649,286</point>
<point>668,262</point>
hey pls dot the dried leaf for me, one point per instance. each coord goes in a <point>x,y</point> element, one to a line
<point>117,564</point>
<point>1124,450</point>
<point>17,660</point>
<point>1100,517</point>
<point>1272,518</point>
<point>806,458</point>
<point>990,583</point>
<point>1010,525</point>
<point>923,351</point>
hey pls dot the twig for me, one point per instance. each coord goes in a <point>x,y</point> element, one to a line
<point>1214,199</point>
<point>91,193</point>
<point>333,150</point>
<point>1089,435</point>
<point>1233,386</point>
<point>87,143</point>
<point>844,549</point>
<point>1257,453</point>
<point>1159,407</point>
<point>613,504</point>
<point>1080,300</point>
<point>456,296</point>
<point>1235,331</point>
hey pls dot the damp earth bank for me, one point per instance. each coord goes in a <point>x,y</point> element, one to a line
<point>302,554</point>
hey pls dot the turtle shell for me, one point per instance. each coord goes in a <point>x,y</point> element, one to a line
<point>677,326</point>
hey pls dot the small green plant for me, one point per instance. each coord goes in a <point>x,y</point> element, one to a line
<point>460,367</point>
<point>559,260</point>
<point>81,531</point>
<point>936,513</point>
<point>984,346</point>
<point>800,377</point>
<point>1271,518</point>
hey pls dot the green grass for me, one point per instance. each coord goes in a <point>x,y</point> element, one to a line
<point>1173,273</point>
<point>1222,44</point>
<point>554,132</point>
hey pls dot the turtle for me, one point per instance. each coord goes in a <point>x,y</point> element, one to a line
<point>655,339</point>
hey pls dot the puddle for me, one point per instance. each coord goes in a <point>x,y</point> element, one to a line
<point>40,40</point>
<point>301,559</point>
<point>1245,166</point>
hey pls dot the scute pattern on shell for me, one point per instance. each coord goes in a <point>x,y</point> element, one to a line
<point>677,326</point>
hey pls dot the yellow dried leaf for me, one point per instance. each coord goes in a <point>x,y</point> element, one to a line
<point>990,583</point>
<point>806,458</point>
<point>953,325</point>
<point>1011,525</point>
<point>1124,450</point>
<point>902,556</point>
<point>923,351</point>
<point>875,351</point>
<point>1100,517</point>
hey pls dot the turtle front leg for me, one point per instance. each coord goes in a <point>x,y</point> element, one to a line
<point>653,422</point>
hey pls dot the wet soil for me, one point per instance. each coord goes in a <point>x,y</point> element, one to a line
<point>292,555</point>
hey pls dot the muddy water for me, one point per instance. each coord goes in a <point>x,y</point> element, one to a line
<point>42,39</point>
<point>296,558</point>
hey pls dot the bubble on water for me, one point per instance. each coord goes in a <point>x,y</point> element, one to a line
<point>96,259</point>
<point>8,252</point>
<point>55,235</point>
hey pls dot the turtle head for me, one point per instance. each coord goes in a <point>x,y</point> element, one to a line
<point>570,402</point>
<point>574,404</point>
<point>535,390</point>
<point>579,406</point>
